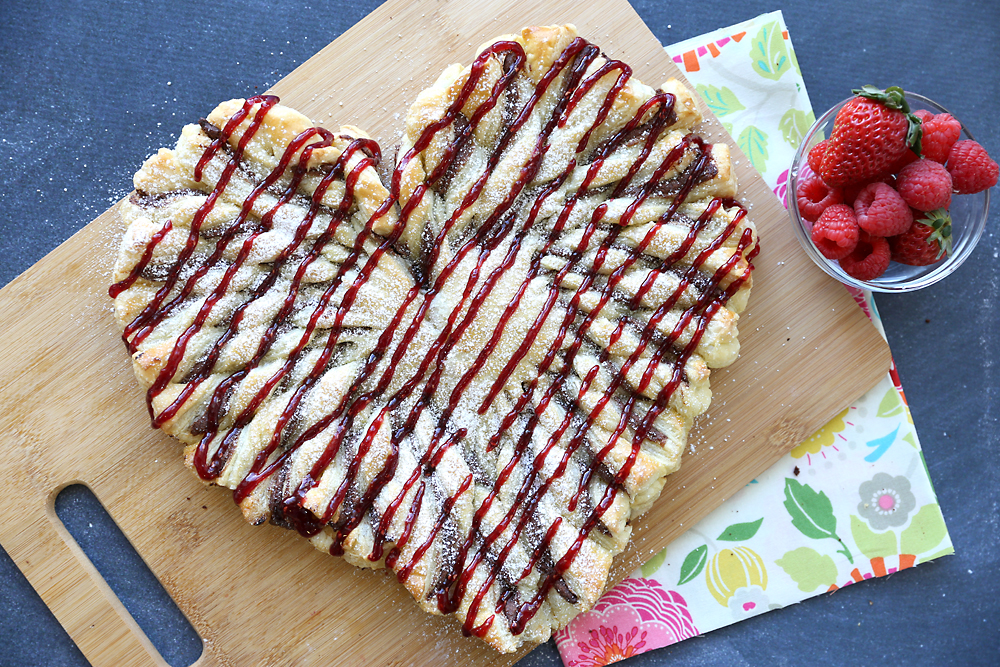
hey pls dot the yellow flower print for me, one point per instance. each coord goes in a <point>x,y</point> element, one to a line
<point>822,438</point>
<point>733,569</point>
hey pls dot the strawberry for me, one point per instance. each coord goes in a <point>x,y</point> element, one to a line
<point>926,241</point>
<point>871,133</point>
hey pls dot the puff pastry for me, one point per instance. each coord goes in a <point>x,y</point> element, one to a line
<point>473,363</point>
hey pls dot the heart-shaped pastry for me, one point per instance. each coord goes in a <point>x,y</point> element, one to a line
<point>473,363</point>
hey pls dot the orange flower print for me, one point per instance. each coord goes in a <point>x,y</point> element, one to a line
<point>878,568</point>
<point>608,645</point>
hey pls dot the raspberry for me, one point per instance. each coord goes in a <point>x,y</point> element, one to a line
<point>851,191</point>
<point>908,157</point>
<point>971,168</point>
<point>940,134</point>
<point>923,114</point>
<point>816,154</point>
<point>836,232</point>
<point>869,259</point>
<point>881,211</point>
<point>814,196</point>
<point>925,185</point>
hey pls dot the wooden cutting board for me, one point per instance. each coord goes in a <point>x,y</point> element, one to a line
<point>72,412</point>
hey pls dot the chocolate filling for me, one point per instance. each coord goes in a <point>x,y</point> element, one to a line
<point>208,128</point>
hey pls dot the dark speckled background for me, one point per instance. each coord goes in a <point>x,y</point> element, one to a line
<point>89,89</point>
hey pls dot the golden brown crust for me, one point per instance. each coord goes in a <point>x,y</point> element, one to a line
<point>480,364</point>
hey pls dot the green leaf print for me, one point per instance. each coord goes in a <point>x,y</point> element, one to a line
<point>721,101</point>
<point>654,563</point>
<point>872,544</point>
<point>910,440</point>
<point>809,568</point>
<point>693,564</point>
<point>753,143</point>
<point>738,532</point>
<point>795,62</point>
<point>728,127</point>
<point>812,513</point>
<point>794,125</point>
<point>926,531</point>
<point>769,52</point>
<point>891,404</point>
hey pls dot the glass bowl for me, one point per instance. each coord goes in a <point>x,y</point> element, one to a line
<point>968,217</point>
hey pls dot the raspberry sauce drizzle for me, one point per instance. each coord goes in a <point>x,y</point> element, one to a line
<point>578,46</point>
<point>170,368</point>
<point>140,266</point>
<point>576,441</point>
<point>152,314</point>
<point>577,57</point>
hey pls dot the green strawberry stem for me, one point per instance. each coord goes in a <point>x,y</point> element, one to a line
<point>940,221</point>
<point>894,98</point>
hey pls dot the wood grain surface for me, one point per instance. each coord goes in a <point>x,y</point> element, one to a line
<point>72,411</point>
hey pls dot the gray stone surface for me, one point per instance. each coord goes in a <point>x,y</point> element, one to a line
<point>89,90</point>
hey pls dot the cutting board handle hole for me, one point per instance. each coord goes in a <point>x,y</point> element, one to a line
<point>125,572</point>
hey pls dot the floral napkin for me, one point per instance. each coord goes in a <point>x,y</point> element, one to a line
<point>852,502</point>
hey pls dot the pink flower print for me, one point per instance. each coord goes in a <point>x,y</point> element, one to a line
<point>781,189</point>
<point>608,645</point>
<point>860,299</point>
<point>635,616</point>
